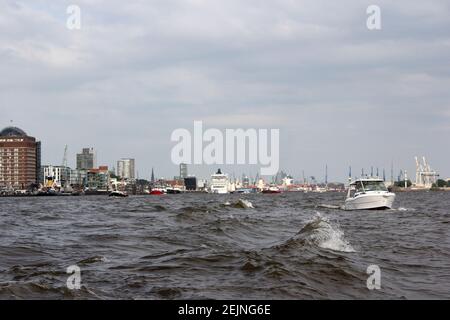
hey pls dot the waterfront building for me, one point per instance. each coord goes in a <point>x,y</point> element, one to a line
<point>98,179</point>
<point>86,159</point>
<point>202,184</point>
<point>190,183</point>
<point>20,159</point>
<point>55,176</point>
<point>126,169</point>
<point>77,177</point>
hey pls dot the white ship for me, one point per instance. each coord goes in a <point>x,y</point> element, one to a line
<point>368,193</point>
<point>219,183</point>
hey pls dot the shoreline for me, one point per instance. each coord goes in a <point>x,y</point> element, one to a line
<point>188,192</point>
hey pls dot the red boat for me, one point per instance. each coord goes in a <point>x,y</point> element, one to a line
<point>156,192</point>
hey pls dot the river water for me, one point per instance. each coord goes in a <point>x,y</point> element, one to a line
<point>200,246</point>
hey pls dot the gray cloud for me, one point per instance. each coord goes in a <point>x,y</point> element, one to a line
<point>340,94</point>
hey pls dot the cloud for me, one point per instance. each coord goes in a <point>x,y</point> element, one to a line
<point>135,72</point>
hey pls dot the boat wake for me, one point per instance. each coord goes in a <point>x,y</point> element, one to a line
<point>322,233</point>
<point>404,209</point>
<point>330,206</point>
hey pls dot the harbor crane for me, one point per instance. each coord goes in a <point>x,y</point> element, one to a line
<point>425,175</point>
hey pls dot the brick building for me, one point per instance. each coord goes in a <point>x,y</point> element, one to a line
<point>20,159</point>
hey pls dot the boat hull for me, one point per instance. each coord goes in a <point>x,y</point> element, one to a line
<point>370,202</point>
<point>118,195</point>
<point>169,191</point>
<point>219,191</point>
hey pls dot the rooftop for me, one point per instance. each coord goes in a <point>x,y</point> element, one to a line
<point>12,132</point>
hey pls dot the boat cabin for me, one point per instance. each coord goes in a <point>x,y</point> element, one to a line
<point>362,186</point>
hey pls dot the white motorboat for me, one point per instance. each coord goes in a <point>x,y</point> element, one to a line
<point>368,193</point>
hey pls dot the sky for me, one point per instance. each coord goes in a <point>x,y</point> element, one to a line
<point>340,94</point>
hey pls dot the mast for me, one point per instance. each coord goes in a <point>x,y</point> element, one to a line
<point>349,174</point>
<point>392,172</point>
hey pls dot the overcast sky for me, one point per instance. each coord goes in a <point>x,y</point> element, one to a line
<point>339,93</point>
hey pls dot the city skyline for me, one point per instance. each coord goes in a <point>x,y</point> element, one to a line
<point>391,173</point>
<point>341,95</point>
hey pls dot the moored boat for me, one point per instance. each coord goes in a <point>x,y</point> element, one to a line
<point>173,190</point>
<point>157,192</point>
<point>272,189</point>
<point>118,194</point>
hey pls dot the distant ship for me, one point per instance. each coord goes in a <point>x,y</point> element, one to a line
<point>219,183</point>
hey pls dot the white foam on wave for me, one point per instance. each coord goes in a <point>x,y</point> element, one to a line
<point>245,204</point>
<point>405,209</point>
<point>323,234</point>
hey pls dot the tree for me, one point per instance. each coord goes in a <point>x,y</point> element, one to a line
<point>441,183</point>
<point>401,184</point>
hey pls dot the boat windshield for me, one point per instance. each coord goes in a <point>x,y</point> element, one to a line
<point>358,187</point>
<point>374,186</point>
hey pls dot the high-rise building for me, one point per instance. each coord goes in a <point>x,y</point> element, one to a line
<point>20,158</point>
<point>86,159</point>
<point>125,169</point>
<point>183,170</point>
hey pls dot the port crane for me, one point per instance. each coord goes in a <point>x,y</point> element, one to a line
<point>425,175</point>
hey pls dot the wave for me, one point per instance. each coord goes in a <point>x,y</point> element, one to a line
<point>322,233</point>
<point>91,260</point>
<point>330,206</point>
<point>244,204</point>
<point>38,290</point>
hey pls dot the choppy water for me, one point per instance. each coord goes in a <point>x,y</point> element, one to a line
<point>197,246</point>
